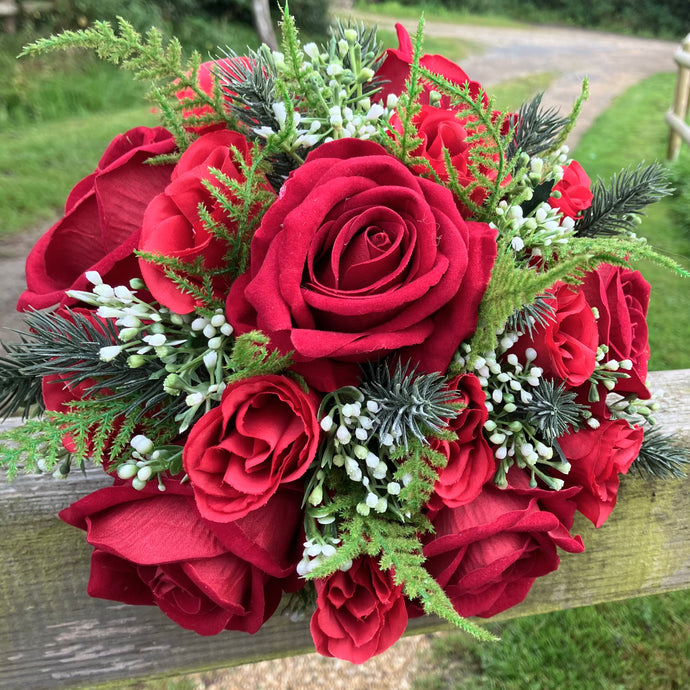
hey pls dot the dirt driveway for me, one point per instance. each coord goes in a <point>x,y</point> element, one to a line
<point>612,63</point>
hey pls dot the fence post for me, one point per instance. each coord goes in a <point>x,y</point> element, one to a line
<point>675,117</point>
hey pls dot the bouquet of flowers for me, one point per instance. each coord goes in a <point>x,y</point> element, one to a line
<point>342,334</point>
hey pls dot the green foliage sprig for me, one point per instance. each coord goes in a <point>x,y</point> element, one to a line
<point>617,207</point>
<point>660,457</point>
<point>537,130</point>
<point>252,356</point>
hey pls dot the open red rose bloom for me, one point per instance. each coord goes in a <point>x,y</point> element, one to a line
<point>353,343</point>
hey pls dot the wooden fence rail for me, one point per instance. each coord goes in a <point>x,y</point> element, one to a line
<point>52,635</point>
<point>676,117</point>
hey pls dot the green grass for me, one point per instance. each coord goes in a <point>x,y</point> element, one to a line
<point>39,164</point>
<point>512,93</point>
<point>435,13</point>
<point>636,645</point>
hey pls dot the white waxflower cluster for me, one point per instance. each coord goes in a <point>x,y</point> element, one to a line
<point>534,235</point>
<point>316,551</point>
<point>358,449</point>
<point>353,445</point>
<point>147,462</point>
<point>338,76</point>
<point>508,384</point>
<point>148,332</point>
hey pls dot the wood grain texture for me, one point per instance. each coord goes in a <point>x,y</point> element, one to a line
<point>52,635</point>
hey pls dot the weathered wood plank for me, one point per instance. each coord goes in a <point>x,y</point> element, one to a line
<point>52,635</point>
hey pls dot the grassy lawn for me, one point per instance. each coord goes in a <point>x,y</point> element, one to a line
<point>437,13</point>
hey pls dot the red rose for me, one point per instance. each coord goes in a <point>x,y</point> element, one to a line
<point>576,194</point>
<point>395,70</point>
<point>359,613</point>
<point>487,554</point>
<point>621,297</point>
<point>566,346</point>
<point>172,226</point>
<point>100,228</point>
<point>358,258</point>
<point>470,458</point>
<point>153,547</point>
<point>597,457</point>
<point>264,433</point>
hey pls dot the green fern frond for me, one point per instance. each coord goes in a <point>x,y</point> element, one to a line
<point>418,470</point>
<point>251,356</point>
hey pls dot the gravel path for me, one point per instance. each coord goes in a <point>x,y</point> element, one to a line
<point>612,63</point>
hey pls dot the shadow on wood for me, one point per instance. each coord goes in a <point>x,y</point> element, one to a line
<point>52,635</point>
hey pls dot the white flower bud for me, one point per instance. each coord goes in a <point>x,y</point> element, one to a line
<point>108,353</point>
<point>142,444</point>
<point>127,471</point>
<point>94,277</point>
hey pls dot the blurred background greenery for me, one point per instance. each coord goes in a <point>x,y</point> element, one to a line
<point>57,114</point>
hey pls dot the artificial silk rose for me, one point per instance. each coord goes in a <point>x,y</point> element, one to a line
<point>358,258</point>
<point>566,346</point>
<point>575,193</point>
<point>487,554</point>
<point>264,433</point>
<point>153,547</point>
<point>172,227</point>
<point>440,129</point>
<point>359,613</point>
<point>395,71</point>
<point>470,459</point>
<point>621,297</point>
<point>597,458</point>
<point>100,228</point>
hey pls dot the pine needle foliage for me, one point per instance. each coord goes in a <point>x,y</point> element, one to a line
<point>553,410</point>
<point>660,457</point>
<point>537,129</point>
<point>536,314</point>
<point>68,347</point>
<point>151,60</point>
<point>249,86</point>
<point>410,406</point>
<point>617,207</point>
<point>19,392</point>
